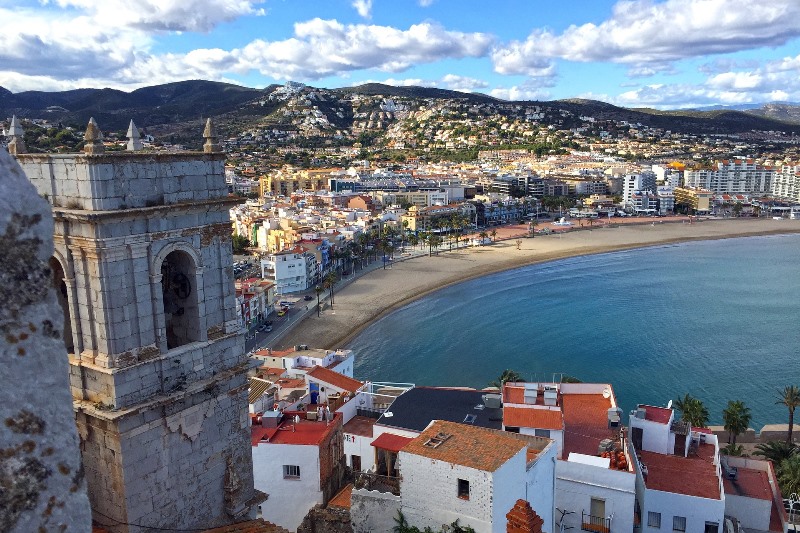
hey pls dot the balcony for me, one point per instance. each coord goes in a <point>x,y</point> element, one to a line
<point>370,481</point>
<point>598,524</point>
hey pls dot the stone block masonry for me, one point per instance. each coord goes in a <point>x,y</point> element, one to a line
<point>142,263</point>
<point>42,482</point>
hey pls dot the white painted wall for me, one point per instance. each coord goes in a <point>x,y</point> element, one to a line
<point>541,486</point>
<point>697,511</point>
<point>361,446</point>
<point>429,492</point>
<point>751,512</point>
<point>577,484</point>
<point>555,434</point>
<point>289,499</point>
<point>656,437</point>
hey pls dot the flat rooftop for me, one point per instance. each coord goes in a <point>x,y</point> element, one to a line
<point>360,425</point>
<point>695,475</point>
<point>308,432</point>
<point>417,407</point>
<point>586,423</point>
<point>749,483</point>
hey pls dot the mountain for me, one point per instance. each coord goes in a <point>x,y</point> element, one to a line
<point>175,111</point>
<point>160,104</point>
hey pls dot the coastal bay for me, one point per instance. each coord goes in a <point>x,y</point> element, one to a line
<point>379,292</point>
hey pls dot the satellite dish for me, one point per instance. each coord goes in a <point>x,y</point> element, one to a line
<point>669,404</point>
<point>606,393</point>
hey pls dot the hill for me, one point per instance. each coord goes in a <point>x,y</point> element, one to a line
<point>171,103</point>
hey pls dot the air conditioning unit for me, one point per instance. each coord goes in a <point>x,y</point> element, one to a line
<point>641,413</point>
<point>492,401</point>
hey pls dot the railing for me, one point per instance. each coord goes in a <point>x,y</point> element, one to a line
<point>370,481</point>
<point>598,524</point>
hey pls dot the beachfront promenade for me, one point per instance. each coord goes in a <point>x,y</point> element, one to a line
<point>377,291</point>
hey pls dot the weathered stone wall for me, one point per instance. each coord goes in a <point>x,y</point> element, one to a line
<point>373,511</point>
<point>319,520</point>
<point>42,484</point>
<point>119,180</point>
<point>171,457</point>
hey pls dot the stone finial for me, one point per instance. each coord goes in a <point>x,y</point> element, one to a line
<point>210,135</point>
<point>93,138</point>
<point>134,142</point>
<point>17,144</point>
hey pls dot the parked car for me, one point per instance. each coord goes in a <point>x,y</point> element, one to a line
<point>308,297</point>
<point>282,312</point>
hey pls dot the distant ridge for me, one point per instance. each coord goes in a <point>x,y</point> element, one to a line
<point>113,109</point>
<point>373,89</point>
<point>177,109</point>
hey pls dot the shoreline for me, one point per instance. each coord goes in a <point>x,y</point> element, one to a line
<point>378,293</point>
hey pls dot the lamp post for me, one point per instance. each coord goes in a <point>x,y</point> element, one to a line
<point>318,290</point>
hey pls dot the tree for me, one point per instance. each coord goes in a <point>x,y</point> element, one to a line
<point>737,419</point>
<point>737,209</point>
<point>240,244</point>
<point>483,235</point>
<point>790,397</point>
<point>789,475</point>
<point>532,227</point>
<point>494,235</point>
<point>329,282</point>
<point>507,375</point>
<point>692,410</point>
<point>775,451</point>
<point>318,290</point>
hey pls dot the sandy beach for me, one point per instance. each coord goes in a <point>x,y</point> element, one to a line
<point>379,292</point>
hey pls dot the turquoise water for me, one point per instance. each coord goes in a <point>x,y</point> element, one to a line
<point>717,319</point>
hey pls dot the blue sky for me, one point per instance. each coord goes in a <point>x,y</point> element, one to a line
<point>659,53</point>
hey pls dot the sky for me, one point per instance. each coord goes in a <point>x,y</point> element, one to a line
<point>633,53</point>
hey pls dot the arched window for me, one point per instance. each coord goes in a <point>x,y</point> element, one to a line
<point>181,312</point>
<point>62,294</point>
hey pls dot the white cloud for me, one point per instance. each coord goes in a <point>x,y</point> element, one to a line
<point>462,83</point>
<point>164,15</point>
<point>643,32</point>
<point>520,93</point>
<point>364,8</point>
<point>425,3</point>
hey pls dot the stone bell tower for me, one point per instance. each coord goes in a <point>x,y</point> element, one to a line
<point>158,370</point>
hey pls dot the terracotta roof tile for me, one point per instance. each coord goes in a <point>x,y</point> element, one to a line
<point>473,447</point>
<point>391,442</point>
<point>340,381</point>
<point>528,417</point>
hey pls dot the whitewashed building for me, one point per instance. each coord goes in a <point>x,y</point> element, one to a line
<point>291,270</point>
<point>454,471</point>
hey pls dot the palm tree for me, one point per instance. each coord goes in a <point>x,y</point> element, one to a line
<point>329,282</point>
<point>318,290</point>
<point>494,235</point>
<point>483,235</point>
<point>692,410</point>
<point>789,475</point>
<point>790,397</point>
<point>507,375</point>
<point>775,450</point>
<point>532,227</point>
<point>737,419</point>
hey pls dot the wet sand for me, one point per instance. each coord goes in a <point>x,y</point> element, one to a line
<point>380,292</point>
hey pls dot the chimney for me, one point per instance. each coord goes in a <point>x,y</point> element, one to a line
<point>523,519</point>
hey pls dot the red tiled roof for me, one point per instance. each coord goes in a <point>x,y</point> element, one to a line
<point>657,414</point>
<point>340,381</point>
<point>309,432</point>
<point>342,499</point>
<point>470,446</point>
<point>391,442</point>
<point>691,476</point>
<point>528,417</point>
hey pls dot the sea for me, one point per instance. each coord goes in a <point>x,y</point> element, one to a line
<point>717,319</point>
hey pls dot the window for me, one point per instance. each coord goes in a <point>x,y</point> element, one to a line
<point>678,523</point>
<point>542,433</point>
<point>463,489</point>
<point>291,471</point>
<point>654,520</point>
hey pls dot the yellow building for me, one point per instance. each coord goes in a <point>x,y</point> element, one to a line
<point>289,179</point>
<point>699,199</point>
